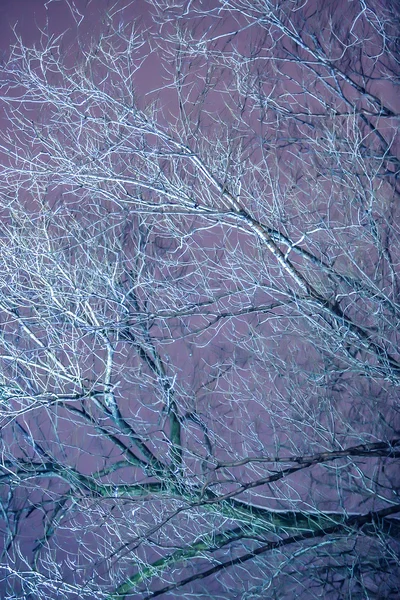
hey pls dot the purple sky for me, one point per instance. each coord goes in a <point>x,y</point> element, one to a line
<point>30,15</point>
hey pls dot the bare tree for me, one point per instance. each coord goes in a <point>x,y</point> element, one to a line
<point>200,362</point>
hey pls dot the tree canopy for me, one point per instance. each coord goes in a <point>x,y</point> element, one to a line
<point>199,304</point>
